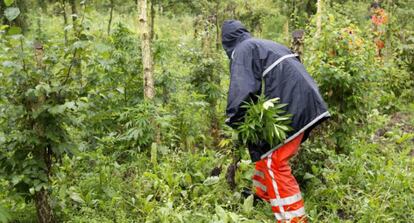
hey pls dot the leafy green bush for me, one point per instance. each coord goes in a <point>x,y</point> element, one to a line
<point>41,101</point>
<point>188,126</point>
<point>177,189</point>
<point>137,131</point>
<point>343,66</point>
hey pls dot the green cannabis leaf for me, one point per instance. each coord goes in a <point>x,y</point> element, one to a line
<point>265,120</point>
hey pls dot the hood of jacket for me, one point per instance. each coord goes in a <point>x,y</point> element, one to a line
<point>232,33</point>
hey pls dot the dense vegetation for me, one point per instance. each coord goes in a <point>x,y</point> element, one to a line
<point>85,136</point>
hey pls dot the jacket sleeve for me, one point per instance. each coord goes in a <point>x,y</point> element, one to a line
<point>244,84</point>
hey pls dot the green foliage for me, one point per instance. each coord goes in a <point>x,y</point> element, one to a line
<point>39,107</point>
<point>401,37</point>
<point>253,14</point>
<point>83,108</point>
<point>206,75</point>
<point>364,185</point>
<point>4,215</point>
<point>124,64</point>
<point>265,120</point>
<point>343,64</point>
<point>186,126</point>
<point>137,131</point>
<point>113,84</point>
<point>8,2</point>
<point>178,189</point>
<point>11,13</point>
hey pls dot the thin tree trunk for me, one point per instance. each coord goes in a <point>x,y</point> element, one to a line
<point>65,21</point>
<point>292,16</point>
<point>43,208</point>
<point>42,197</point>
<point>77,28</point>
<point>39,35</point>
<point>22,51</point>
<point>110,16</point>
<point>215,125</point>
<point>152,20</point>
<point>286,32</point>
<point>209,43</point>
<point>38,47</point>
<point>42,200</point>
<point>217,20</point>
<point>196,25</point>
<point>206,37</point>
<point>75,15</point>
<point>147,61</point>
<point>74,11</point>
<point>319,10</point>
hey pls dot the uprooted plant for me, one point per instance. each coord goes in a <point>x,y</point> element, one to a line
<point>265,120</point>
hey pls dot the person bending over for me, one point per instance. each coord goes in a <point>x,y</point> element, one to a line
<point>251,61</point>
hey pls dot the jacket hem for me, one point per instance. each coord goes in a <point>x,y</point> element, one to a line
<point>315,120</point>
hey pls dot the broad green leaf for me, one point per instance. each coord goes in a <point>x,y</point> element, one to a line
<point>8,2</point>
<point>248,204</point>
<point>70,105</point>
<point>405,137</point>
<point>11,13</point>
<point>220,212</point>
<point>9,64</point>
<point>211,180</point>
<point>16,179</point>
<point>58,109</point>
<point>42,87</point>
<point>308,176</point>
<point>79,44</point>
<point>149,197</point>
<point>68,27</point>
<point>3,27</point>
<point>234,217</point>
<point>14,30</point>
<point>120,90</point>
<point>76,197</point>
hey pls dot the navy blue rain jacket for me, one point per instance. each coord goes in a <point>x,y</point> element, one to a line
<point>289,81</point>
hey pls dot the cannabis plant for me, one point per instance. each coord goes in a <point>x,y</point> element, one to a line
<point>265,120</point>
